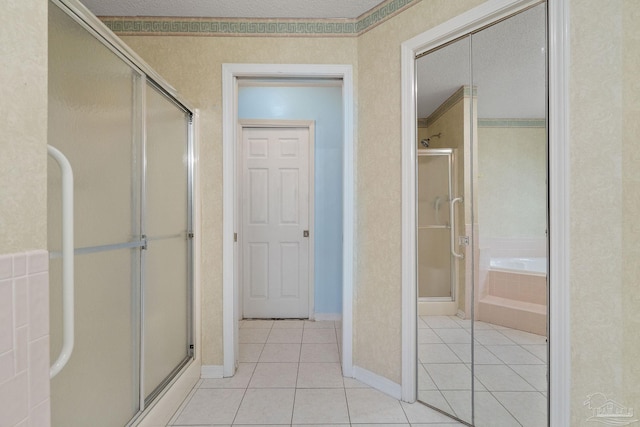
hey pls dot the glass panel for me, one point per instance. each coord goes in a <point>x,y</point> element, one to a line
<point>166,167</point>
<point>166,287</point>
<point>91,122</point>
<point>444,338</point>
<point>434,230</point>
<point>98,387</point>
<point>165,316</point>
<point>509,61</point>
<point>434,268</point>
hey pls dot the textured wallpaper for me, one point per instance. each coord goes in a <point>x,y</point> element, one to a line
<point>23,120</point>
<point>605,41</point>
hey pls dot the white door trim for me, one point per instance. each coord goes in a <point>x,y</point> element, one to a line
<point>559,333</point>
<point>310,126</point>
<point>230,73</point>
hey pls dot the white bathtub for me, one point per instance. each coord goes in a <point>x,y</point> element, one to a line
<point>533,266</point>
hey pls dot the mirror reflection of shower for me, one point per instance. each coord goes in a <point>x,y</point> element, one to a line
<point>425,142</point>
<point>436,189</point>
<point>437,202</point>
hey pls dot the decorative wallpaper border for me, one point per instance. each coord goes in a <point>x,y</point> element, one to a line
<point>241,27</point>
<point>512,123</point>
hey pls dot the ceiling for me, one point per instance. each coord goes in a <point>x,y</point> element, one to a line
<point>509,69</point>
<point>293,9</point>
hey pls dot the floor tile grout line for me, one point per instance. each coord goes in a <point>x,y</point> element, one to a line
<point>404,411</point>
<point>244,394</point>
<point>505,408</point>
<point>184,402</point>
<point>525,380</point>
<point>295,394</point>
<point>449,403</point>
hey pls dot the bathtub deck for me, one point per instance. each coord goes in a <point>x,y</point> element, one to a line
<point>522,315</point>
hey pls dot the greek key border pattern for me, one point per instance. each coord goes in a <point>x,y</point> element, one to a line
<point>257,27</point>
<point>512,123</point>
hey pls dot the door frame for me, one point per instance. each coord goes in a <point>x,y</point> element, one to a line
<point>558,162</point>
<point>281,124</point>
<point>230,297</point>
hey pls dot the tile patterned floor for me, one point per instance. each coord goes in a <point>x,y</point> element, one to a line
<point>290,375</point>
<point>510,371</point>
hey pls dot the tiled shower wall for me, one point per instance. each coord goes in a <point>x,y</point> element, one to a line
<point>24,340</point>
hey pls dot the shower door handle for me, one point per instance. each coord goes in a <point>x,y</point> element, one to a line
<point>452,228</point>
<point>67,262</point>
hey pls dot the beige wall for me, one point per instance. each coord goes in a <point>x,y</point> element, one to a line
<point>512,182</point>
<point>193,65</point>
<point>377,323</point>
<point>630,293</point>
<point>605,200</point>
<point>23,126</point>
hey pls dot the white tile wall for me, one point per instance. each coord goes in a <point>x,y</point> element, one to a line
<point>24,340</point>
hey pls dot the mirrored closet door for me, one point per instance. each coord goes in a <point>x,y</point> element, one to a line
<point>482,347</point>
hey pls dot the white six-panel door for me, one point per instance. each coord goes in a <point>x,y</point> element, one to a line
<point>275,217</point>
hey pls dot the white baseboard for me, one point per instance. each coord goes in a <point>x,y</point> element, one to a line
<point>378,382</point>
<point>327,316</point>
<point>212,371</point>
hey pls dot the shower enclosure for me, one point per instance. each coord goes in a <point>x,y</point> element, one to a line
<point>437,225</point>
<point>129,142</point>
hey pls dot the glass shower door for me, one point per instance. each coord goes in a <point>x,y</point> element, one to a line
<point>129,145</point>
<point>166,226</point>
<point>92,122</point>
<point>436,277</point>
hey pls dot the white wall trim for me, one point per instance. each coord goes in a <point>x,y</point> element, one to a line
<point>469,21</point>
<point>230,73</point>
<point>378,382</point>
<point>212,371</point>
<point>559,219</point>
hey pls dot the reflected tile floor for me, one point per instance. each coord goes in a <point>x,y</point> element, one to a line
<point>290,375</point>
<point>510,371</point>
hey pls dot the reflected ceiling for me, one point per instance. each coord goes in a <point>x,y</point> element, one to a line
<point>516,90</point>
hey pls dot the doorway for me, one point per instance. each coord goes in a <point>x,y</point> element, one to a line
<point>231,75</point>
<point>276,201</point>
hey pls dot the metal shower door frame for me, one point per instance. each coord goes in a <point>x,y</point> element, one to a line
<point>450,154</point>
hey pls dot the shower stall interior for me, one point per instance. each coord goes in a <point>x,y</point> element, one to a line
<point>128,139</point>
<point>437,223</point>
